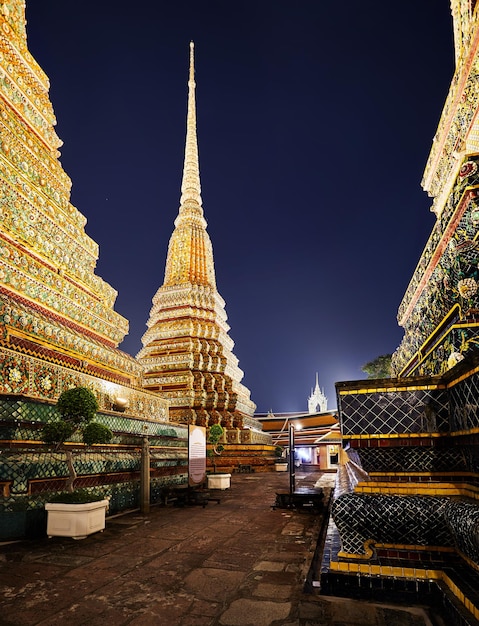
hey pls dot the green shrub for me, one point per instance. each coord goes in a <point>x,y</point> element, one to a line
<point>81,496</point>
<point>78,405</point>
<point>96,433</point>
<point>57,432</point>
<point>77,408</point>
<point>215,433</point>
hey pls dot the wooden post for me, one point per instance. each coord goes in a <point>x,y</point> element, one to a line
<point>145,477</point>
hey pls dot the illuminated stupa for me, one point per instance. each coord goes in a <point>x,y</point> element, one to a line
<point>440,309</point>
<point>58,326</point>
<point>187,352</point>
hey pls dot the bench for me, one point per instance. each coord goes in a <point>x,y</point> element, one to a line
<point>311,499</point>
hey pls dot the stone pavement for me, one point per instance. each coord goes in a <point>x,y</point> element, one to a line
<point>237,563</point>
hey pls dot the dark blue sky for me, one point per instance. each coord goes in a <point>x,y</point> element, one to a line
<point>315,120</point>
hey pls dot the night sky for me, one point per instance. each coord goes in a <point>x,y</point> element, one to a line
<point>315,121</point>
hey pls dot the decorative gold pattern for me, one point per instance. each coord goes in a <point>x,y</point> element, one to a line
<point>456,135</point>
<point>439,311</point>
<point>58,327</point>
<point>28,376</point>
<point>45,254</point>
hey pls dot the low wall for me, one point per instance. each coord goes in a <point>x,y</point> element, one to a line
<point>30,472</point>
<point>406,503</point>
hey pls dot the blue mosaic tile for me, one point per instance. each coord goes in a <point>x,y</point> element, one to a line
<point>411,520</point>
<point>415,459</point>
<point>399,412</point>
<point>465,404</point>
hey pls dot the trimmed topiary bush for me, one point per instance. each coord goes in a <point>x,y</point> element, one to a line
<point>77,408</point>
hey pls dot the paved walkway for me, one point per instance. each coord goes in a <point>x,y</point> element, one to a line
<point>237,563</point>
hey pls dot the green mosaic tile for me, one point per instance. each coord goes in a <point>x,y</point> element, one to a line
<point>35,469</point>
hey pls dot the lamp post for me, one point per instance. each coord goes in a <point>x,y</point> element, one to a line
<point>145,474</point>
<point>292,467</point>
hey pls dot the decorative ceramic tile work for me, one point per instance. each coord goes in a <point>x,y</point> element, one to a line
<point>21,419</point>
<point>403,411</point>
<point>66,339</point>
<point>432,427</point>
<point>58,326</point>
<point>463,521</point>
<point>417,517</point>
<point>29,470</point>
<point>444,287</point>
<point>464,402</point>
<point>415,459</point>
<point>406,520</point>
<point>26,375</point>
<point>46,257</point>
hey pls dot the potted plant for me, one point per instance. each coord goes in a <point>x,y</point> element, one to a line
<point>280,464</point>
<point>75,513</point>
<point>217,481</point>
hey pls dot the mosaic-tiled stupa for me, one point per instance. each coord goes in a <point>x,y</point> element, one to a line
<point>405,511</point>
<point>440,309</point>
<point>52,304</point>
<point>58,326</point>
<point>187,352</point>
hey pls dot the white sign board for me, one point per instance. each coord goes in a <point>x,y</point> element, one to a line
<point>196,455</point>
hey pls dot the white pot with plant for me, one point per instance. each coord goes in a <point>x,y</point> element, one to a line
<point>280,463</point>
<point>73,513</point>
<point>217,481</point>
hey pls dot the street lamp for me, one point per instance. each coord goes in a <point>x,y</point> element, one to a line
<point>292,467</point>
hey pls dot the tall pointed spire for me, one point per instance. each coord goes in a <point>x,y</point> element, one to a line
<point>191,187</point>
<point>317,401</point>
<point>187,352</point>
<point>190,254</point>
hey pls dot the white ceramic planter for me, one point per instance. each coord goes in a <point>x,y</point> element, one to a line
<point>75,520</point>
<point>219,481</point>
<point>281,467</point>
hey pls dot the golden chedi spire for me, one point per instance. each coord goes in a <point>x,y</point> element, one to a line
<point>187,352</point>
<point>190,254</point>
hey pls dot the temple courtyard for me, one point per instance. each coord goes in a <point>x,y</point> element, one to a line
<point>239,562</point>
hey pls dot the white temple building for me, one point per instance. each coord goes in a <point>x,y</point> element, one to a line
<point>317,401</point>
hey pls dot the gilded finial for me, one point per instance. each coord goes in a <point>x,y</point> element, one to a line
<point>190,187</point>
<point>192,61</point>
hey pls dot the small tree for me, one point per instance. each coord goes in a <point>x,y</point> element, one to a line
<point>380,367</point>
<point>214,435</point>
<point>77,408</point>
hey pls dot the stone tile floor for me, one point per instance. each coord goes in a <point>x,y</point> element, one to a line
<point>237,563</point>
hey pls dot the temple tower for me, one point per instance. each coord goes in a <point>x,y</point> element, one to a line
<point>317,401</point>
<point>49,293</point>
<point>58,326</point>
<point>440,309</point>
<point>187,352</point>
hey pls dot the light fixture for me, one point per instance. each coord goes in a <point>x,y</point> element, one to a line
<point>120,404</point>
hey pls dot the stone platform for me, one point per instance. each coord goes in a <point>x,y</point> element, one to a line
<point>236,563</point>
